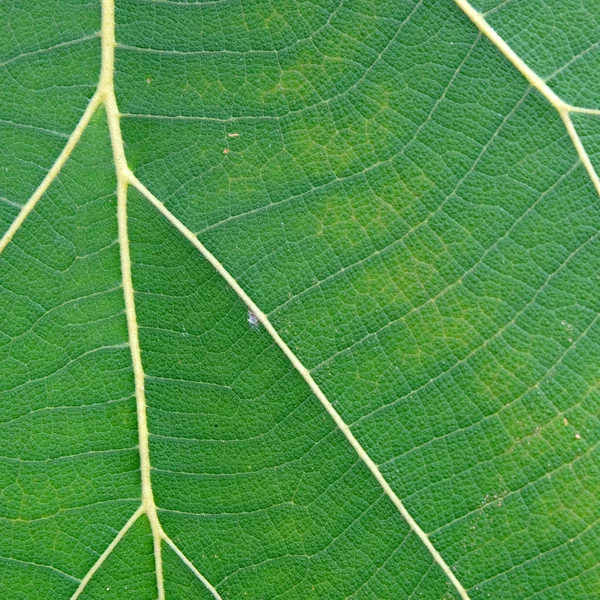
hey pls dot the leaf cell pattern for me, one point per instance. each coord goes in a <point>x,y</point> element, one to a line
<point>405,194</point>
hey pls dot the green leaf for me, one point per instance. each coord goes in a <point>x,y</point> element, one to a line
<point>404,195</point>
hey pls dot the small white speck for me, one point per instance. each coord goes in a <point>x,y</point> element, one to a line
<point>253,320</point>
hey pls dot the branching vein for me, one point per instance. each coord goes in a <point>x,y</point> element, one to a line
<point>54,170</point>
<point>308,379</point>
<point>105,95</point>
<point>563,108</point>
<point>184,559</point>
<point>88,576</point>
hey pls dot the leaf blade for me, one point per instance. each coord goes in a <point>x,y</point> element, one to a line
<point>433,268</point>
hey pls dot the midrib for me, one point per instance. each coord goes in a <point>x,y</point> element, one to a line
<point>105,95</point>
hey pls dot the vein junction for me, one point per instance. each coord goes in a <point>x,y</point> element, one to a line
<point>105,95</point>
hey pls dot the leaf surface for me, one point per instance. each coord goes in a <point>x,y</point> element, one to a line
<point>405,195</point>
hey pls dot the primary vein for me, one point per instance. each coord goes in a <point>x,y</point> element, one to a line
<point>105,95</point>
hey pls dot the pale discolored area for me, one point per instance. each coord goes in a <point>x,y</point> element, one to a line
<point>424,238</point>
<point>417,233</point>
<point>68,458</point>
<point>251,478</point>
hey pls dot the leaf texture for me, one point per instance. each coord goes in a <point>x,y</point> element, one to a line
<point>405,194</point>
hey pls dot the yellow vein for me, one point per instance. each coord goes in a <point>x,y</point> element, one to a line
<point>586,111</point>
<point>563,108</point>
<point>309,380</point>
<point>136,515</point>
<point>138,372</point>
<point>184,559</point>
<point>93,104</point>
<point>107,94</point>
